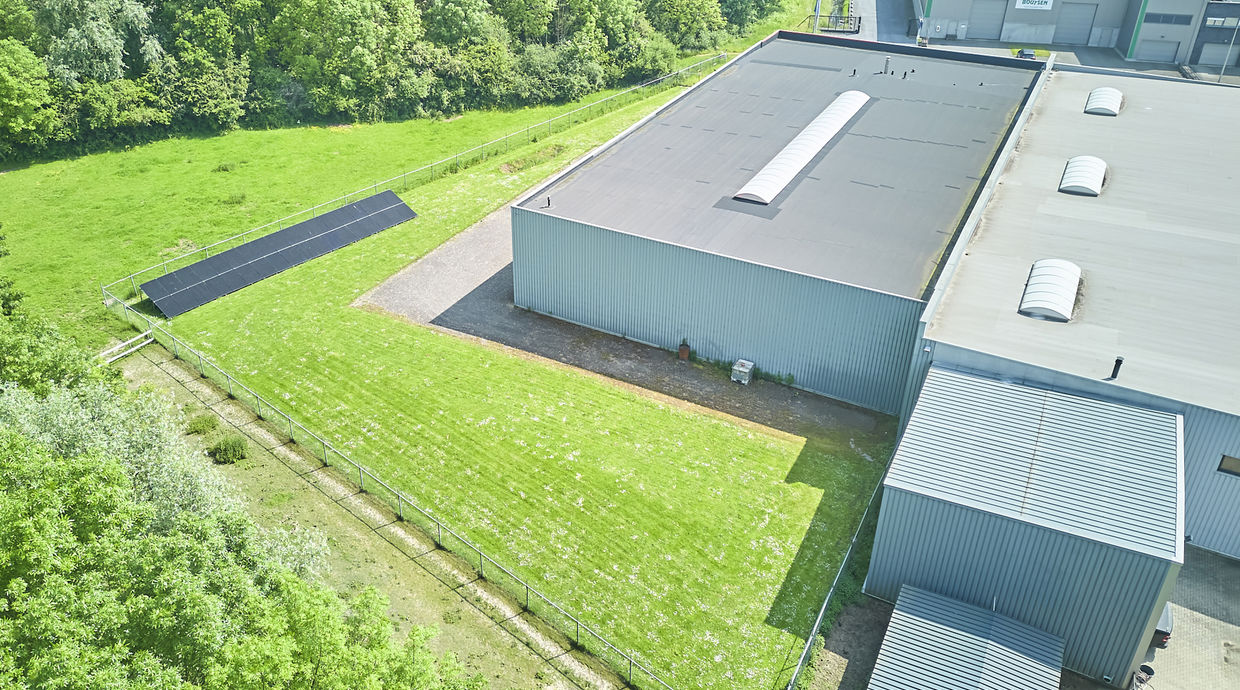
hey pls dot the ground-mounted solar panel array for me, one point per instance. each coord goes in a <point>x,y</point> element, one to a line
<point>233,269</point>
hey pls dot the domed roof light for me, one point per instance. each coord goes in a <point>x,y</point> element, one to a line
<point>1083,175</point>
<point>1050,291</point>
<point>1104,100</point>
<point>771,179</point>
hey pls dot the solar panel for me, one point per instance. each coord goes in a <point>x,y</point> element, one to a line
<point>246,264</point>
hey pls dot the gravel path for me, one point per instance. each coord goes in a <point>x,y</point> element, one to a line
<point>465,287</point>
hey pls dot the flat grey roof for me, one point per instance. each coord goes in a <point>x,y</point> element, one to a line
<point>1102,471</point>
<point>876,208</point>
<point>936,642</point>
<point>1159,249</point>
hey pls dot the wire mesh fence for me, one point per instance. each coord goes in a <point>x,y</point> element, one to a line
<point>118,295</point>
<point>128,287</point>
<point>487,568</point>
<point>807,651</point>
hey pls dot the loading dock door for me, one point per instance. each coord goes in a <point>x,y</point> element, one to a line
<point>1076,20</point>
<point>1157,51</point>
<point>1216,53</point>
<point>986,19</point>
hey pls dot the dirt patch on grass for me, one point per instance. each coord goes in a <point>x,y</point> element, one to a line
<point>847,660</point>
<point>282,485</point>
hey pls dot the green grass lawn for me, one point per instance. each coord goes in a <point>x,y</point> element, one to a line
<point>700,543</point>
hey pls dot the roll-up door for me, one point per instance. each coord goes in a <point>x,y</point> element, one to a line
<point>986,19</point>
<point>1157,51</point>
<point>1076,20</point>
<point>1216,54</point>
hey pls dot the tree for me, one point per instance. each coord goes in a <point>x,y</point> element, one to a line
<point>528,20</point>
<point>27,116</point>
<point>86,39</point>
<point>690,24</point>
<point>10,297</point>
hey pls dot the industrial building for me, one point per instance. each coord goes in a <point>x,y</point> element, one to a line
<point>1158,251</point>
<point>1059,511</point>
<point>1031,265</point>
<point>648,239</point>
<point>1149,30</point>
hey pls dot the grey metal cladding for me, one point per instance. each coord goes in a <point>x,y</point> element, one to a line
<point>1044,578</point>
<point>835,339</point>
<point>1061,461</point>
<point>934,640</point>
<point>1212,497</point>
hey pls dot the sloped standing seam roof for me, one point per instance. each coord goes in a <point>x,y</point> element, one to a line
<point>1083,175</point>
<point>1050,291</point>
<point>1104,100</point>
<point>934,642</point>
<point>1101,471</point>
<point>775,175</point>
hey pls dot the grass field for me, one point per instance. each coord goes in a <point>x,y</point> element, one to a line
<point>701,543</point>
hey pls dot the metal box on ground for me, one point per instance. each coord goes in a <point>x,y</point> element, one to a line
<point>742,371</point>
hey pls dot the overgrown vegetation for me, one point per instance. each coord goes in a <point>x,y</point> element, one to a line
<point>125,561</point>
<point>229,449</point>
<point>78,75</point>
<point>201,424</point>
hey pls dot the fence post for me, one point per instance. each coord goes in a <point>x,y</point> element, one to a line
<point>527,597</point>
<point>201,372</point>
<point>361,481</point>
<point>630,670</point>
<point>324,450</point>
<point>290,429</point>
<point>481,572</point>
<point>578,631</point>
<point>133,284</point>
<point>400,508</point>
<point>230,393</point>
<point>438,534</point>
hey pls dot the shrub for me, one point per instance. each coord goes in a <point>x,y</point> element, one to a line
<point>229,449</point>
<point>202,424</point>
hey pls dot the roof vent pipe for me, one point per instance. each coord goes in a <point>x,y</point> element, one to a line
<point>887,65</point>
<point>1119,362</point>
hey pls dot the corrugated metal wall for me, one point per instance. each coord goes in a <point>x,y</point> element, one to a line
<point>1212,498</point>
<point>841,341</point>
<point>1044,578</point>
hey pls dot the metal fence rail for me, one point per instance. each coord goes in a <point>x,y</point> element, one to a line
<point>127,287</point>
<point>807,652</point>
<point>635,672</point>
<point>118,294</point>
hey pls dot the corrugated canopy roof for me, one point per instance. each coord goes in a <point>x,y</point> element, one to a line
<point>934,642</point>
<point>1101,471</point>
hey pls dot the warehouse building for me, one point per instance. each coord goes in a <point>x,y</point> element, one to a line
<point>1158,254</point>
<point>1059,511</point>
<point>1148,30</point>
<point>790,210</point>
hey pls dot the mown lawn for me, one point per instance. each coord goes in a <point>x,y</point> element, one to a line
<point>701,543</point>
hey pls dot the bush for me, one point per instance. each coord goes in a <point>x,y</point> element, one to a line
<point>229,449</point>
<point>202,424</point>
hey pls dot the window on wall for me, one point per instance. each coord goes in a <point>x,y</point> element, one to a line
<point>1229,465</point>
<point>1222,21</point>
<point>1182,19</point>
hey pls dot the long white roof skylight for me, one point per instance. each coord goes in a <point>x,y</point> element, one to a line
<point>1050,292</point>
<point>771,179</point>
<point>1104,100</point>
<point>1083,175</point>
